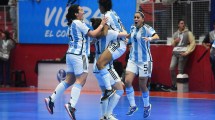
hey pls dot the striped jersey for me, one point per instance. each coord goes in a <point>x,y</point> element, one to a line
<point>140,49</point>
<point>79,42</point>
<point>114,21</point>
<point>102,43</point>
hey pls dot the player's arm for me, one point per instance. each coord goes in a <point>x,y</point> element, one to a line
<point>97,30</point>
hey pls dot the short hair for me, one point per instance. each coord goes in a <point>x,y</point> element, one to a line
<point>70,16</point>
<point>106,4</point>
<point>180,20</point>
<point>95,22</point>
<point>7,34</point>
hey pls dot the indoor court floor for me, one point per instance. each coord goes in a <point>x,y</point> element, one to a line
<point>28,104</point>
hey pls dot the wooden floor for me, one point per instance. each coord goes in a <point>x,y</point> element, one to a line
<point>28,104</point>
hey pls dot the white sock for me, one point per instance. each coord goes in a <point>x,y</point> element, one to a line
<point>106,77</point>
<point>75,93</point>
<point>145,96</point>
<point>103,106</point>
<point>59,90</point>
<point>114,101</point>
<point>130,96</point>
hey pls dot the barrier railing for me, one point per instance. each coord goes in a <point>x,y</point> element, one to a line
<point>8,19</point>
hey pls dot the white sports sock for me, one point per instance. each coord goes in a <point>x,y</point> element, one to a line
<point>75,93</point>
<point>131,99</point>
<point>59,90</point>
<point>113,102</point>
<point>145,96</point>
<point>103,106</point>
<point>106,77</point>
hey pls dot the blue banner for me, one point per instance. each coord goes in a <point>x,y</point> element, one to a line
<point>44,22</point>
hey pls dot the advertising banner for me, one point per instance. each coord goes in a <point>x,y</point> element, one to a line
<point>44,22</point>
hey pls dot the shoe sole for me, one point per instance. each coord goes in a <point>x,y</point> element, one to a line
<point>109,95</point>
<point>67,109</point>
<point>149,110</point>
<point>47,105</point>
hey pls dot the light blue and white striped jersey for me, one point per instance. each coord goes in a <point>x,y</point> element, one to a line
<point>102,43</point>
<point>79,43</point>
<point>114,21</point>
<point>140,49</point>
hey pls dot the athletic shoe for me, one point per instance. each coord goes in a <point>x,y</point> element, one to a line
<point>111,117</point>
<point>107,94</point>
<point>49,104</point>
<point>147,111</point>
<point>173,89</point>
<point>70,110</point>
<point>102,118</point>
<point>132,110</point>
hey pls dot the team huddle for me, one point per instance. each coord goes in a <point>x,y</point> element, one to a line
<point>110,39</point>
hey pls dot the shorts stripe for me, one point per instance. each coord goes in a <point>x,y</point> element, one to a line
<point>112,74</point>
<point>84,62</point>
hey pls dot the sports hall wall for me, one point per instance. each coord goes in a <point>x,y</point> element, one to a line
<point>39,39</point>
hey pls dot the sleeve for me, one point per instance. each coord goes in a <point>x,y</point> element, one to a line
<point>83,27</point>
<point>150,31</point>
<point>131,30</point>
<point>191,47</point>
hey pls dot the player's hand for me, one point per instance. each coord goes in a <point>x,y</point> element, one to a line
<point>177,40</point>
<point>183,53</point>
<point>147,38</point>
<point>104,21</point>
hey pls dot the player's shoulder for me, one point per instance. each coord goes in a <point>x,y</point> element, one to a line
<point>147,26</point>
<point>132,27</point>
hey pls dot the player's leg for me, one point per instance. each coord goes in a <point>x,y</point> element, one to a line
<point>59,90</point>
<point>131,71</point>
<point>113,100</point>
<point>81,75</point>
<point>103,60</point>
<point>145,70</point>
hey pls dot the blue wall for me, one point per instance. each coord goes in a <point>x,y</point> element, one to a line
<point>45,23</point>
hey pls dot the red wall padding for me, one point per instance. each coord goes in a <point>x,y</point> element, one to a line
<point>25,56</point>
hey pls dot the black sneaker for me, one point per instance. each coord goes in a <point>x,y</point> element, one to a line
<point>107,94</point>
<point>70,110</point>
<point>49,104</point>
<point>173,88</point>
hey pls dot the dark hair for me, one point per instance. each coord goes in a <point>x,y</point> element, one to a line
<point>141,13</point>
<point>180,20</point>
<point>95,22</point>
<point>70,16</point>
<point>106,4</point>
<point>214,22</point>
<point>7,35</point>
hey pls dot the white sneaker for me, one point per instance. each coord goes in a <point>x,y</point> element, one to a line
<point>102,118</point>
<point>111,117</point>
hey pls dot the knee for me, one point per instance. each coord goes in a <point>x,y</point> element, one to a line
<point>128,83</point>
<point>99,65</point>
